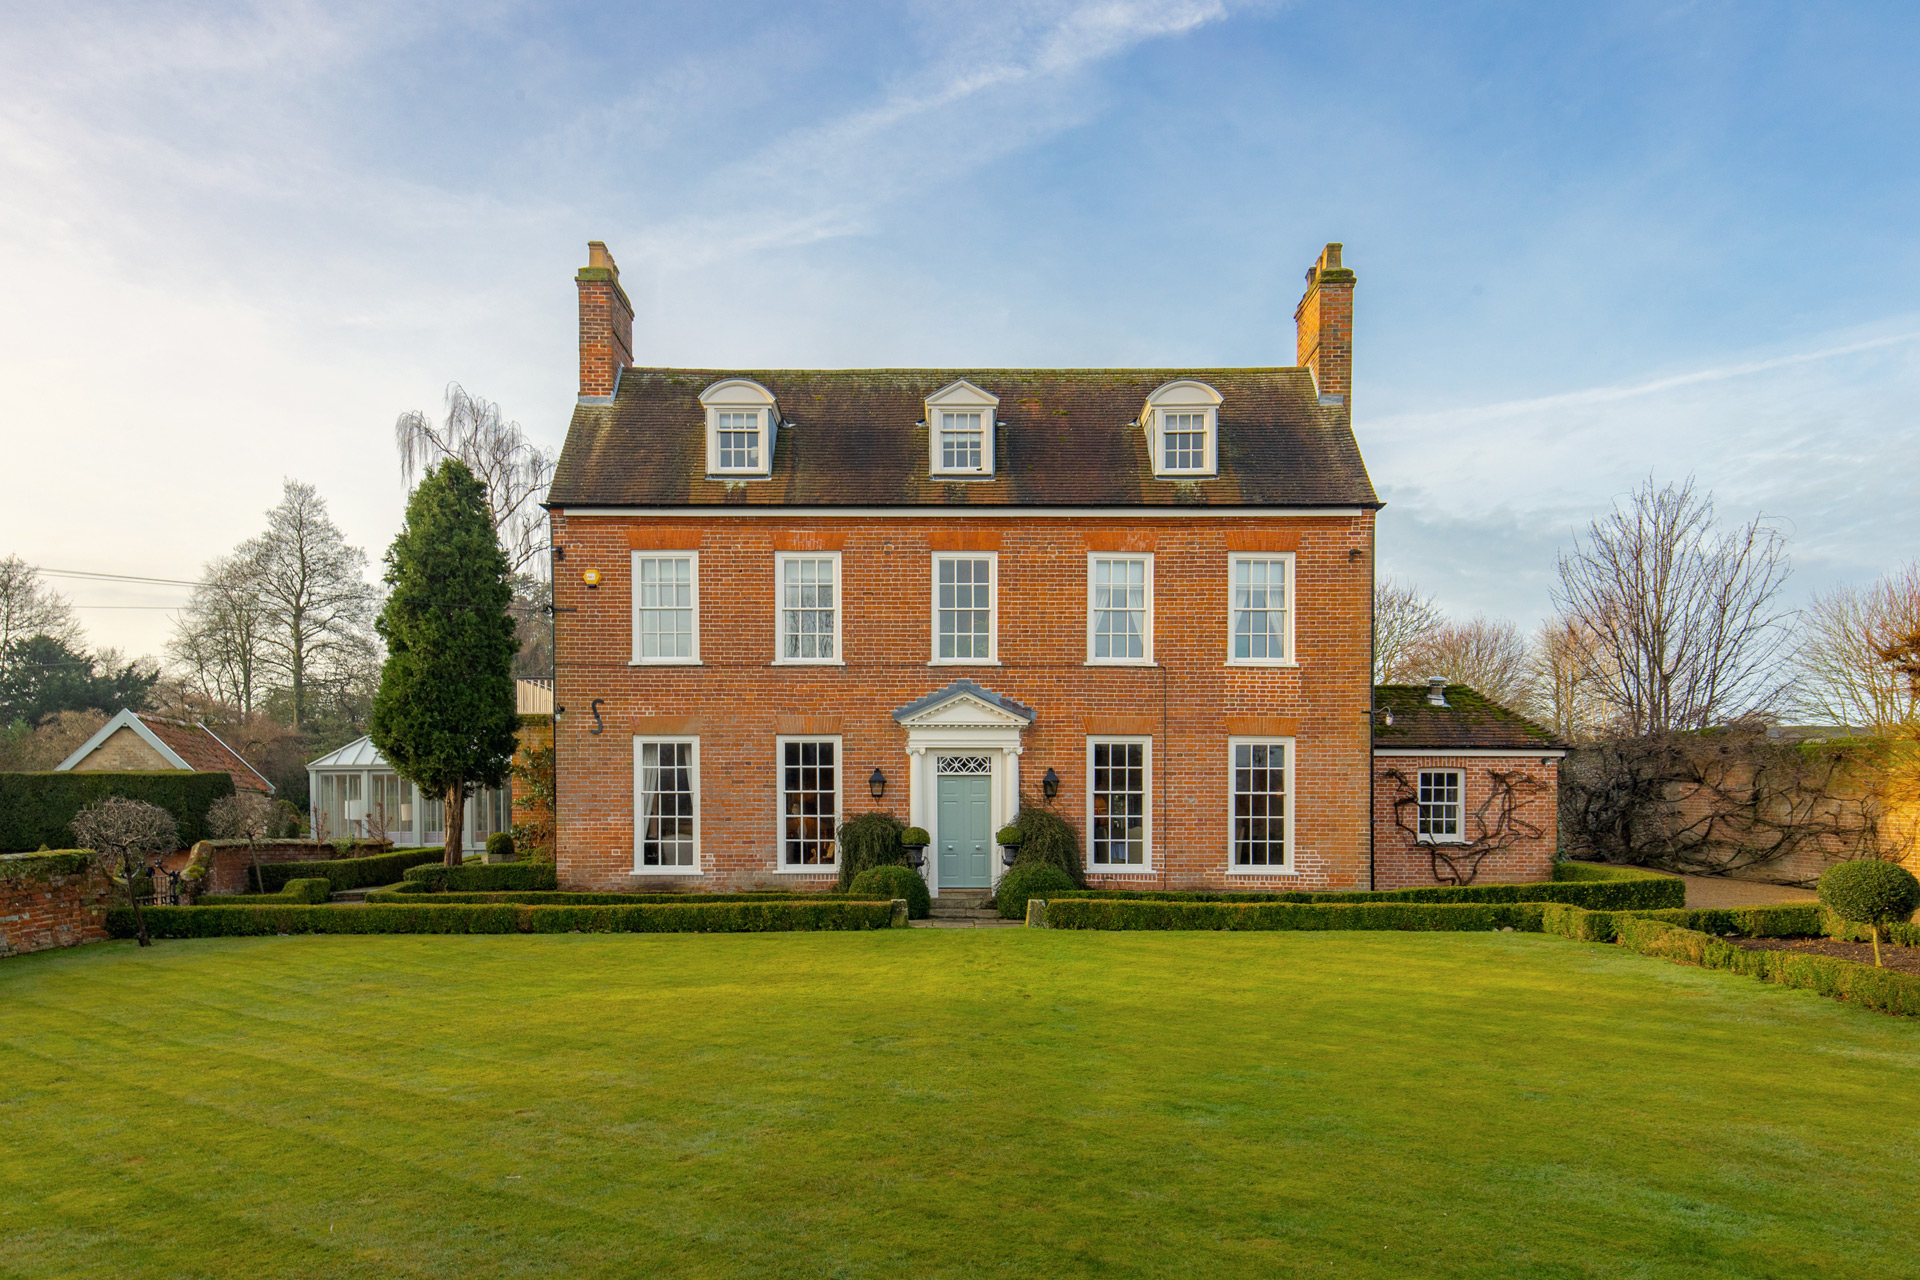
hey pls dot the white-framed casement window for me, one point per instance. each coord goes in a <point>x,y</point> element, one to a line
<point>809,815</point>
<point>666,806</point>
<point>1119,804</point>
<point>966,587</point>
<point>1182,421</point>
<point>666,607</point>
<point>742,422</point>
<point>1260,610</point>
<point>1440,818</point>
<point>1119,609</point>
<point>807,607</point>
<point>960,431</point>
<point>1259,817</point>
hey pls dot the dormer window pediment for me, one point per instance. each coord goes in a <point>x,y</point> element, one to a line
<point>961,422</point>
<point>743,420</point>
<point>1182,422</point>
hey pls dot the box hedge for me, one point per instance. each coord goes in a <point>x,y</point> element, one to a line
<point>562,898</point>
<point>37,808</point>
<point>348,873</point>
<point>293,892</point>
<point>1132,914</point>
<point>434,917</point>
<point>1589,885</point>
<point>1793,920</point>
<point>480,877</point>
<point>1884,990</point>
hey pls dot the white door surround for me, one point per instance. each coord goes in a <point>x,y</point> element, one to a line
<point>963,719</point>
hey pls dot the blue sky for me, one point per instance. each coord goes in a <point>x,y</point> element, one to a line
<point>1593,242</point>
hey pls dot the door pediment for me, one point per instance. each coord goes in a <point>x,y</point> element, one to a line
<point>964,705</point>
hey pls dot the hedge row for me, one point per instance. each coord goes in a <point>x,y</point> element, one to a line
<point>348,873</point>
<point>698,917</point>
<point>1885,990</point>
<point>1903,935</point>
<point>44,865</point>
<point>534,897</point>
<point>36,808</point>
<point>1793,920</point>
<point>481,877</point>
<point>1065,912</point>
<point>293,892</point>
<point>1615,889</point>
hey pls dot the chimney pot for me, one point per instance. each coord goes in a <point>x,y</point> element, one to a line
<point>1323,324</point>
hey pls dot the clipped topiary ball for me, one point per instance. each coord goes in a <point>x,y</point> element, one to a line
<point>892,882</point>
<point>1870,893</point>
<point>1030,880</point>
<point>500,845</point>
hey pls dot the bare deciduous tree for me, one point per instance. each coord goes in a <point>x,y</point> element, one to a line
<point>1401,615</point>
<point>28,607</point>
<point>245,815</point>
<point>313,589</point>
<point>1851,650</point>
<point>1687,625</point>
<point>514,470</point>
<point>1489,655</point>
<point>220,641</point>
<point>123,833</point>
<point>1563,694</point>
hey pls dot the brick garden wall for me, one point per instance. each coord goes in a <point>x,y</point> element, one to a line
<point>1189,704</point>
<point>1401,862</point>
<point>48,902</point>
<point>231,861</point>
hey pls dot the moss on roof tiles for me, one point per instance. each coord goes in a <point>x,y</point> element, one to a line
<point>1469,720</point>
<point>859,437</point>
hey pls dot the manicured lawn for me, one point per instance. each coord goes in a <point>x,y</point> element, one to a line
<point>934,1103</point>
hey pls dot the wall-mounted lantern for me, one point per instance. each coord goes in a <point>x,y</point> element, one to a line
<point>877,784</point>
<point>1050,785</point>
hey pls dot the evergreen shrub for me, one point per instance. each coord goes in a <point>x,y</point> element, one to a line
<point>500,845</point>
<point>1034,880</point>
<point>480,877</point>
<point>870,840</point>
<point>892,882</point>
<point>1872,893</point>
<point>1097,913</point>
<point>1047,839</point>
<point>430,917</point>
<point>292,893</point>
<point>37,808</point>
<point>346,873</point>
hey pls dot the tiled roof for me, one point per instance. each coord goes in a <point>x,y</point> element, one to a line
<point>204,752</point>
<point>859,439</point>
<point>1468,720</point>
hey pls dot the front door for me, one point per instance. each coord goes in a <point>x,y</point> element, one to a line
<point>963,838</point>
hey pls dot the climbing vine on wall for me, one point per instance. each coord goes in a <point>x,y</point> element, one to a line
<point>1497,822</point>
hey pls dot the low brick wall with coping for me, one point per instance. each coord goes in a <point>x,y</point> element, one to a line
<point>48,900</point>
<point>230,862</point>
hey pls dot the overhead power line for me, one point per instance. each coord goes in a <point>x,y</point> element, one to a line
<point>93,576</point>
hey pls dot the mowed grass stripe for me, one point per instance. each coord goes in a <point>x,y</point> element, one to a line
<point>964,1104</point>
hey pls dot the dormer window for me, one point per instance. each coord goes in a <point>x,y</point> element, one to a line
<point>960,429</point>
<point>1182,421</point>
<point>742,423</point>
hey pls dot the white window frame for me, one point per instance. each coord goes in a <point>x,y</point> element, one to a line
<point>780,658</point>
<point>1147,659</point>
<point>993,610</point>
<point>633,579</point>
<point>1459,835</point>
<point>1291,866</point>
<point>1182,396</point>
<point>780,803</point>
<point>962,397</point>
<point>693,769</point>
<point>1146,808</point>
<point>1234,560</point>
<point>741,395</point>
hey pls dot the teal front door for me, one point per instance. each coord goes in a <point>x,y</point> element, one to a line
<point>963,839</point>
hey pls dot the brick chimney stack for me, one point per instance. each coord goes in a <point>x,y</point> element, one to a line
<point>1324,324</point>
<point>606,324</point>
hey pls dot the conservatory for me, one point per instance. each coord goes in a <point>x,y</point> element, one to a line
<point>355,792</point>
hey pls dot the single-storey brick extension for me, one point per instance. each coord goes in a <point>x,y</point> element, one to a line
<point>1140,596</point>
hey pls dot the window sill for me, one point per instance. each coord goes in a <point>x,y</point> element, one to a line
<point>963,662</point>
<point>666,662</point>
<point>1449,841</point>
<point>1120,871</point>
<point>682,872</point>
<point>1270,664</point>
<point>814,870</point>
<point>960,475</point>
<point>739,475</point>
<point>1256,872</point>
<point>808,662</point>
<point>1120,662</point>
<point>1186,475</point>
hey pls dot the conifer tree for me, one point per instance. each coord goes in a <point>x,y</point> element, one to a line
<point>445,716</point>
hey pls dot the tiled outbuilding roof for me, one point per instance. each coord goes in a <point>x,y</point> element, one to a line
<point>1467,721</point>
<point>858,439</point>
<point>204,752</point>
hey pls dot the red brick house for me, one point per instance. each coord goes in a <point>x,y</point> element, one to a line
<point>1463,789</point>
<point>1141,596</point>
